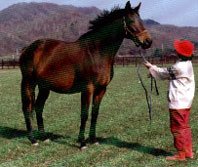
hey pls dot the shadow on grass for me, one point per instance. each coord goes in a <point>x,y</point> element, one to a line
<point>10,133</point>
<point>134,146</point>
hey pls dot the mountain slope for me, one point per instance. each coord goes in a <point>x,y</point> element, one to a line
<point>22,23</point>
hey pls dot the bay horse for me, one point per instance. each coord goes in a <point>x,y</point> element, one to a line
<point>84,66</point>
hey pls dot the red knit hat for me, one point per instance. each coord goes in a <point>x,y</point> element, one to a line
<point>184,47</point>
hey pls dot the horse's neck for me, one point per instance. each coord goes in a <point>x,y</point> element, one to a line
<point>107,39</point>
<point>112,38</point>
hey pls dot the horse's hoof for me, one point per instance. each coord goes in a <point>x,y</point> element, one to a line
<point>47,141</point>
<point>96,143</point>
<point>93,141</point>
<point>83,148</point>
<point>35,144</point>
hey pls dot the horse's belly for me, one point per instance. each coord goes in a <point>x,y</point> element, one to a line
<point>59,82</point>
<point>65,91</point>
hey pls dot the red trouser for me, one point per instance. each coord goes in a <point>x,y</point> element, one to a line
<point>180,128</point>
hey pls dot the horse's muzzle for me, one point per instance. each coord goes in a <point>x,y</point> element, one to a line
<point>146,44</point>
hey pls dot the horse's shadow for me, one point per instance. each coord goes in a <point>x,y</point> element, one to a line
<point>134,146</point>
<point>10,133</point>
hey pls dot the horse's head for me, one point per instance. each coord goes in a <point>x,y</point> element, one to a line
<point>134,28</point>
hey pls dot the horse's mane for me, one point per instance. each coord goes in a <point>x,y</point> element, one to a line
<point>106,17</point>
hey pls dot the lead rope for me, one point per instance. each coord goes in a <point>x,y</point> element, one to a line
<point>148,97</point>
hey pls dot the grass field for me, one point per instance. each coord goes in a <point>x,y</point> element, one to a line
<point>125,134</point>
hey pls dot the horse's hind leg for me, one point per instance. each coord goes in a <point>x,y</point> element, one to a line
<point>97,98</point>
<point>28,97</point>
<point>39,105</point>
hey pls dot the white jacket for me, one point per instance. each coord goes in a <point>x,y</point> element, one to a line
<point>181,83</point>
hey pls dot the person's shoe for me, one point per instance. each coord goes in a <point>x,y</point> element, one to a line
<point>190,155</point>
<point>180,156</point>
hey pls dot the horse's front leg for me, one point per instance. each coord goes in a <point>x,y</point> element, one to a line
<point>97,98</point>
<point>85,103</point>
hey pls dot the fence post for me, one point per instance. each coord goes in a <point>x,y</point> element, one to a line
<point>123,61</point>
<point>135,61</point>
<point>14,63</point>
<point>2,64</point>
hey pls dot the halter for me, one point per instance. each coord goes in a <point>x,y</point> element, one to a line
<point>127,30</point>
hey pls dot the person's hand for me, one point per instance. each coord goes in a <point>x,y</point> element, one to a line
<point>147,64</point>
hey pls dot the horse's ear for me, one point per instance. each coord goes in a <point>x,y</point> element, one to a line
<point>128,6</point>
<point>137,7</point>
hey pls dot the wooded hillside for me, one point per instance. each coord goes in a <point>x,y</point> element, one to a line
<point>22,23</point>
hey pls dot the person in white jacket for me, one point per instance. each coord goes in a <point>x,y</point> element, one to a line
<point>180,97</point>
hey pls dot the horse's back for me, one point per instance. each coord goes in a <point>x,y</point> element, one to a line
<point>52,62</point>
<point>44,51</point>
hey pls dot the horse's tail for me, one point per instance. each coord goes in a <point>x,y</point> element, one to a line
<point>28,82</point>
<point>27,57</point>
